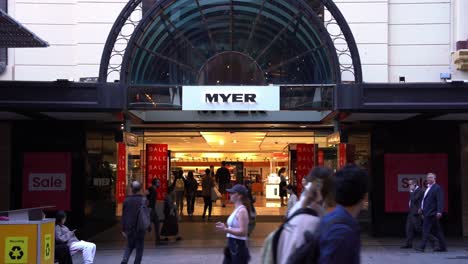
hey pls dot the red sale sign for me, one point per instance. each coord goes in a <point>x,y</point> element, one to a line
<point>400,168</point>
<point>306,154</point>
<point>157,166</point>
<point>47,179</point>
<point>121,185</point>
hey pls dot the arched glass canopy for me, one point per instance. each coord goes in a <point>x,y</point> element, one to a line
<point>244,42</point>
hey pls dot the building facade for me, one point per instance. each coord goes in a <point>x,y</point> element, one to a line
<point>386,75</point>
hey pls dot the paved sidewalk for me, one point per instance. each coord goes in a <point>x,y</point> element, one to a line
<point>202,244</point>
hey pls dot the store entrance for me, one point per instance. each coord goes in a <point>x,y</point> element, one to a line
<point>252,157</point>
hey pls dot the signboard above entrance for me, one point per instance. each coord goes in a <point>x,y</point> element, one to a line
<point>230,98</point>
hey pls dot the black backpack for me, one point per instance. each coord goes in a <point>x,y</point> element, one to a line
<point>278,232</point>
<point>309,252</point>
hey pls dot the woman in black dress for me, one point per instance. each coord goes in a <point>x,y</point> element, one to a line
<point>283,192</point>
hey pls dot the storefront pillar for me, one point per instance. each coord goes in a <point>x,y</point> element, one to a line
<point>464,176</point>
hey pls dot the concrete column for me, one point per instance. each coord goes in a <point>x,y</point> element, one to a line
<point>459,32</point>
<point>5,166</point>
<point>460,20</point>
<point>464,175</point>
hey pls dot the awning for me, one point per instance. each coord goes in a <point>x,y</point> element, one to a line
<point>15,35</point>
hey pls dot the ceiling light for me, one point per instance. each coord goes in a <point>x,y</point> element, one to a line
<point>221,142</point>
<point>303,126</point>
<point>234,141</point>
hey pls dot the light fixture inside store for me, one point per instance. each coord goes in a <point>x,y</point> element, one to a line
<point>234,141</point>
<point>221,142</point>
<point>303,126</point>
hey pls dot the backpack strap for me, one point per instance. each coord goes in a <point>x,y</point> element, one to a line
<point>278,232</point>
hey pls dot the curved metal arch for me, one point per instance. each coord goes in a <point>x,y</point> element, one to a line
<point>163,49</point>
<point>301,8</point>
<point>131,7</point>
<point>340,20</point>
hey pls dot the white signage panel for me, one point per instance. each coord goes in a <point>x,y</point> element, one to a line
<point>47,182</point>
<point>230,98</point>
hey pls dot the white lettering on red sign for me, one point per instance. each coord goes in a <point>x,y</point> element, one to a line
<point>403,181</point>
<point>47,182</point>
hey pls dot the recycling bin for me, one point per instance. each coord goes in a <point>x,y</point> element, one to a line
<point>27,241</point>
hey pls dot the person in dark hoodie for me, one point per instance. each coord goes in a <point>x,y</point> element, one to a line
<point>135,239</point>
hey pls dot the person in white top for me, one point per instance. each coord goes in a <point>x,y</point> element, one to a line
<point>319,188</point>
<point>236,230</point>
<point>292,191</point>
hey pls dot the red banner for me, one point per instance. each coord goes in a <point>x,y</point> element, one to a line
<point>399,168</point>
<point>321,158</point>
<point>157,166</point>
<point>47,179</point>
<point>305,162</point>
<point>121,185</point>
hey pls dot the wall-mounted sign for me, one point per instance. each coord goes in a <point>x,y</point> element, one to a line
<point>46,179</point>
<point>306,161</point>
<point>334,138</point>
<point>230,98</point>
<point>157,167</point>
<point>130,139</point>
<point>400,167</point>
<point>121,185</point>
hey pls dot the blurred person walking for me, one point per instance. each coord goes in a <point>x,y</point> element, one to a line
<point>190,192</point>
<point>207,185</point>
<point>131,229</point>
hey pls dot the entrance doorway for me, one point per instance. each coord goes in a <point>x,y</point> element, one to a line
<point>251,156</point>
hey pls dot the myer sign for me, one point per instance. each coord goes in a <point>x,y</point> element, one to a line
<point>230,98</point>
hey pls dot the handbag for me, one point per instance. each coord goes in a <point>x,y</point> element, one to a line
<point>215,194</point>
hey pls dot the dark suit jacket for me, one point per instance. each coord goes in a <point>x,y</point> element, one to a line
<point>416,198</point>
<point>434,201</point>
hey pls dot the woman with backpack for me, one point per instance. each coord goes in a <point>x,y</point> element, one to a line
<point>179,184</point>
<point>303,219</point>
<point>236,230</point>
<point>191,189</point>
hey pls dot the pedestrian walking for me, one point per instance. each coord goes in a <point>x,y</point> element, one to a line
<point>191,190</point>
<point>179,184</point>
<point>130,229</point>
<point>413,220</point>
<point>223,178</point>
<point>65,236</point>
<point>236,230</point>
<point>282,186</point>
<point>253,212</point>
<point>304,218</point>
<point>151,196</point>
<point>170,226</point>
<point>340,240</point>
<point>292,200</point>
<point>432,207</point>
<point>207,185</point>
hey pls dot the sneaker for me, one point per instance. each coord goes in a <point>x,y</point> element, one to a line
<point>406,246</point>
<point>178,238</point>
<point>419,249</point>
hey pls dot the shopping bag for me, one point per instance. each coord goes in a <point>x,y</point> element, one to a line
<point>215,194</point>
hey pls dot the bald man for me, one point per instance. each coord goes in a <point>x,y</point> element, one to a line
<point>135,239</point>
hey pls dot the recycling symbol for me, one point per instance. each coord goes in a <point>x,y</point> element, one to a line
<point>16,253</point>
<point>47,250</point>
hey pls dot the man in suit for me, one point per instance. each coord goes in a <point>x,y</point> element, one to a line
<point>413,221</point>
<point>432,206</point>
